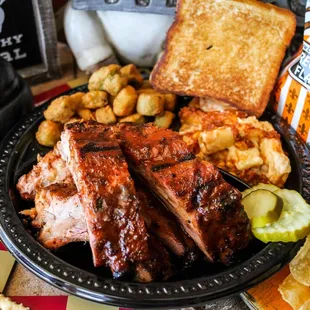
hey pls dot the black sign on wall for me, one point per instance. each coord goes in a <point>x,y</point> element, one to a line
<point>28,38</point>
<point>19,42</point>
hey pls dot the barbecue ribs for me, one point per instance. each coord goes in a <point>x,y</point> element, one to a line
<point>116,229</point>
<point>163,224</point>
<point>57,228</point>
<point>208,208</point>
<point>50,169</point>
<point>83,191</point>
<point>58,216</point>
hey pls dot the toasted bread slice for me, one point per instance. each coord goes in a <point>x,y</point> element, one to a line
<point>230,50</point>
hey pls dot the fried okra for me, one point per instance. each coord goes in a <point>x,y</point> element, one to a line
<point>60,110</point>
<point>135,118</point>
<point>97,78</point>
<point>150,104</point>
<point>165,120</point>
<point>108,78</point>
<point>170,102</point>
<point>95,99</point>
<point>133,75</point>
<point>76,100</point>
<point>48,133</point>
<point>105,115</point>
<point>116,94</point>
<point>125,102</point>
<point>86,114</point>
<point>113,84</point>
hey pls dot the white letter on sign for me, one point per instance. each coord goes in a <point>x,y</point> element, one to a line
<point>18,55</point>
<point>7,56</point>
<point>6,42</point>
<point>18,38</point>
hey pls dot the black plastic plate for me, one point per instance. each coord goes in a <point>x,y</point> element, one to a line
<point>71,269</point>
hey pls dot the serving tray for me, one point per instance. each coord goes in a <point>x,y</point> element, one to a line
<point>70,268</point>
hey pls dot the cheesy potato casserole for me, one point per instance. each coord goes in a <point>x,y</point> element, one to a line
<point>242,145</point>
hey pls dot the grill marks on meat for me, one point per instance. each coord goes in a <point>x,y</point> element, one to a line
<point>117,233</point>
<point>58,215</point>
<point>208,208</point>
<point>50,169</point>
<point>86,193</point>
<point>164,225</point>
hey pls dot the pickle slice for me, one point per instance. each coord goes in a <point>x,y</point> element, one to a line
<point>262,207</point>
<point>268,187</point>
<point>293,223</point>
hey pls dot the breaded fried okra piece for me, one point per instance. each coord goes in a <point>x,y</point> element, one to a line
<point>97,78</point>
<point>165,120</point>
<point>113,84</point>
<point>86,114</point>
<point>133,75</point>
<point>48,133</point>
<point>150,104</point>
<point>109,79</point>
<point>76,100</point>
<point>135,118</point>
<point>105,115</point>
<point>60,110</point>
<point>170,102</point>
<point>125,102</point>
<point>95,99</point>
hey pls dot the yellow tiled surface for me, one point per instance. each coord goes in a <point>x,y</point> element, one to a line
<point>75,303</point>
<point>6,265</point>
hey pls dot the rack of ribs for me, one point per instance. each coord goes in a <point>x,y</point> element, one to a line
<point>208,208</point>
<point>116,229</point>
<point>59,218</point>
<point>84,192</point>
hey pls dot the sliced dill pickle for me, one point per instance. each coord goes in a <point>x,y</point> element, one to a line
<point>262,207</point>
<point>268,187</point>
<point>293,223</point>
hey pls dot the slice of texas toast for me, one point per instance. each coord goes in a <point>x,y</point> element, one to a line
<point>230,50</point>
